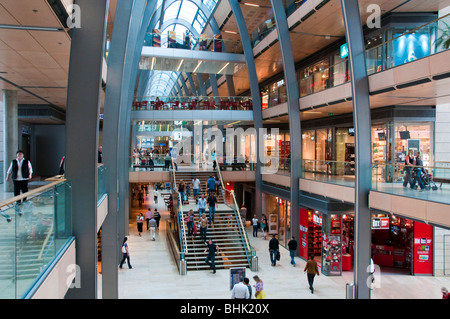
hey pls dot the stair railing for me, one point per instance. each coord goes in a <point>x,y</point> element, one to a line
<point>250,252</point>
<point>180,214</point>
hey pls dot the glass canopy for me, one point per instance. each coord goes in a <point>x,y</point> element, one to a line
<point>175,17</point>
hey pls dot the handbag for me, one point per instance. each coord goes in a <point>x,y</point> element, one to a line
<point>124,250</point>
<point>278,255</point>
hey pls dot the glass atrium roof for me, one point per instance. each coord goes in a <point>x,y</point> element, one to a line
<point>175,16</point>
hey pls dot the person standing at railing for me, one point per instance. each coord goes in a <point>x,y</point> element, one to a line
<point>409,162</point>
<point>418,171</point>
<point>20,171</point>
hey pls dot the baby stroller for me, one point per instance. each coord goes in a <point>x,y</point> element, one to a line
<point>427,179</point>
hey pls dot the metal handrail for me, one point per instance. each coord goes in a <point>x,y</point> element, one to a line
<point>183,240</point>
<point>248,247</point>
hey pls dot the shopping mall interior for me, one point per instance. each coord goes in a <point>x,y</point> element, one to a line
<point>323,123</point>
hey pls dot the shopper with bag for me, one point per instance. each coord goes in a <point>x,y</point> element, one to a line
<point>274,249</point>
<point>125,254</point>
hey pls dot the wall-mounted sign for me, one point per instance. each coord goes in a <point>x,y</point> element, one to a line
<point>380,222</point>
<point>344,51</point>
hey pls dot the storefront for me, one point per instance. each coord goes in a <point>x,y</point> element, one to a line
<point>278,213</point>
<point>398,244</point>
<point>395,130</point>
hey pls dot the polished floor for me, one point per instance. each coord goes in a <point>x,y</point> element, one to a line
<point>155,275</point>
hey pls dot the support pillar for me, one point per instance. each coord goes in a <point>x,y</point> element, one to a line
<point>363,159</point>
<point>256,97</point>
<point>293,108</point>
<point>11,137</point>
<point>84,95</point>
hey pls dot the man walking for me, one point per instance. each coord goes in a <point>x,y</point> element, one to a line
<point>212,200</point>
<point>152,225</point>
<point>311,270</point>
<point>273,249</point>
<point>292,248</point>
<point>20,171</point>
<point>202,205</point>
<point>211,248</point>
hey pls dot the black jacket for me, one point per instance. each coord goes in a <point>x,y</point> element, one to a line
<point>273,244</point>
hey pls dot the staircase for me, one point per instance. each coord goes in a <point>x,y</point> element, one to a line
<point>224,232</point>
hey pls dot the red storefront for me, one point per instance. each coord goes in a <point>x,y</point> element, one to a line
<point>397,243</point>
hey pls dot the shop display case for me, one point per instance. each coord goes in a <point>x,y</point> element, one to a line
<point>331,255</point>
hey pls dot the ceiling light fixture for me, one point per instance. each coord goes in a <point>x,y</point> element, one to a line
<point>232,32</point>
<point>197,66</point>
<point>223,68</point>
<point>179,65</point>
<point>153,63</point>
<point>251,4</point>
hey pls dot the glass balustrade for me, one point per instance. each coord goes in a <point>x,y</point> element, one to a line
<point>429,39</point>
<point>164,103</point>
<point>33,228</point>
<point>327,171</point>
<point>420,182</point>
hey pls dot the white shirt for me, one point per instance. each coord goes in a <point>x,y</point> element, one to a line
<point>240,291</point>
<point>196,183</point>
<point>19,170</point>
<point>202,203</point>
<point>255,221</point>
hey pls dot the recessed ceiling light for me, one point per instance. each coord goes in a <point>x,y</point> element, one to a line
<point>34,10</point>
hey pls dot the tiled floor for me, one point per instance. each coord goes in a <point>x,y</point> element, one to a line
<point>155,275</point>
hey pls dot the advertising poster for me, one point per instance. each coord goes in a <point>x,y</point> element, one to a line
<point>303,242</point>
<point>423,249</point>
<point>410,47</point>
<point>235,275</point>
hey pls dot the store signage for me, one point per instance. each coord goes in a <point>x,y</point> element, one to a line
<point>317,219</point>
<point>423,249</point>
<point>380,222</point>
<point>344,51</point>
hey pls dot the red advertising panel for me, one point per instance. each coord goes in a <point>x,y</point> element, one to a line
<point>303,242</point>
<point>423,249</point>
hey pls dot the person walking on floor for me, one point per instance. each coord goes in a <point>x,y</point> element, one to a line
<point>152,224</point>
<point>274,249</point>
<point>264,226</point>
<point>255,226</point>
<point>311,270</point>
<point>211,248</point>
<point>148,216</point>
<point>259,288</point>
<point>157,217</point>
<point>140,223</point>
<point>292,245</point>
<point>125,254</point>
